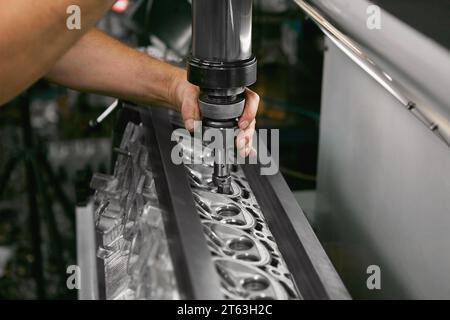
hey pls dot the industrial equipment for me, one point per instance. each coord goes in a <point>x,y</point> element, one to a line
<point>204,229</point>
<point>222,65</point>
<point>163,231</point>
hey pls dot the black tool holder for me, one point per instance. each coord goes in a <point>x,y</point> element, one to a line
<point>222,63</point>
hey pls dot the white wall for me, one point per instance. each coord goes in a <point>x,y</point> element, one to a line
<point>384,188</point>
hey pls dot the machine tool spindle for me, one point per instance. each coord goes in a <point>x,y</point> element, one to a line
<point>222,65</point>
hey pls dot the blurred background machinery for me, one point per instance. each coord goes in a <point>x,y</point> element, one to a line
<point>289,50</point>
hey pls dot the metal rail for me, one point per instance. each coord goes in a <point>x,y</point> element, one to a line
<point>86,252</point>
<point>194,269</point>
<point>357,55</point>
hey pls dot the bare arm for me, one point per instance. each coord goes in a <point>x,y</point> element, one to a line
<point>101,64</point>
<point>35,42</point>
<point>34,35</point>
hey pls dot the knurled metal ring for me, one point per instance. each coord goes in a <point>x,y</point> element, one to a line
<point>221,111</point>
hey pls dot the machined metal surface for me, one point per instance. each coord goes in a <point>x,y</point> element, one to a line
<point>238,234</point>
<point>165,232</point>
<point>243,281</point>
<point>235,243</point>
<point>132,246</point>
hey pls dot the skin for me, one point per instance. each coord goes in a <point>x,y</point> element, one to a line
<point>36,43</point>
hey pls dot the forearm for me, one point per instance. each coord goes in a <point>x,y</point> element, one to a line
<point>100,64</point>
<point>34,35</point>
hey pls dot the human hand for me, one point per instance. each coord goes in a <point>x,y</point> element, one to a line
<point>185,96</point>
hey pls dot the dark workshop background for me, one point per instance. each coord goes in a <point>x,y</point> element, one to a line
<point>48,151</point>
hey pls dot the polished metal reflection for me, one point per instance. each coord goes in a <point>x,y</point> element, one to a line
<point>434,123</point>
<point>149,262</point>
<point>243,281</point>
<point>132,240</point>
<point>222,30</point>
<point>236,231</point>
<point>133,243</point>
<point>215,206</point>
<point>235,243</point>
